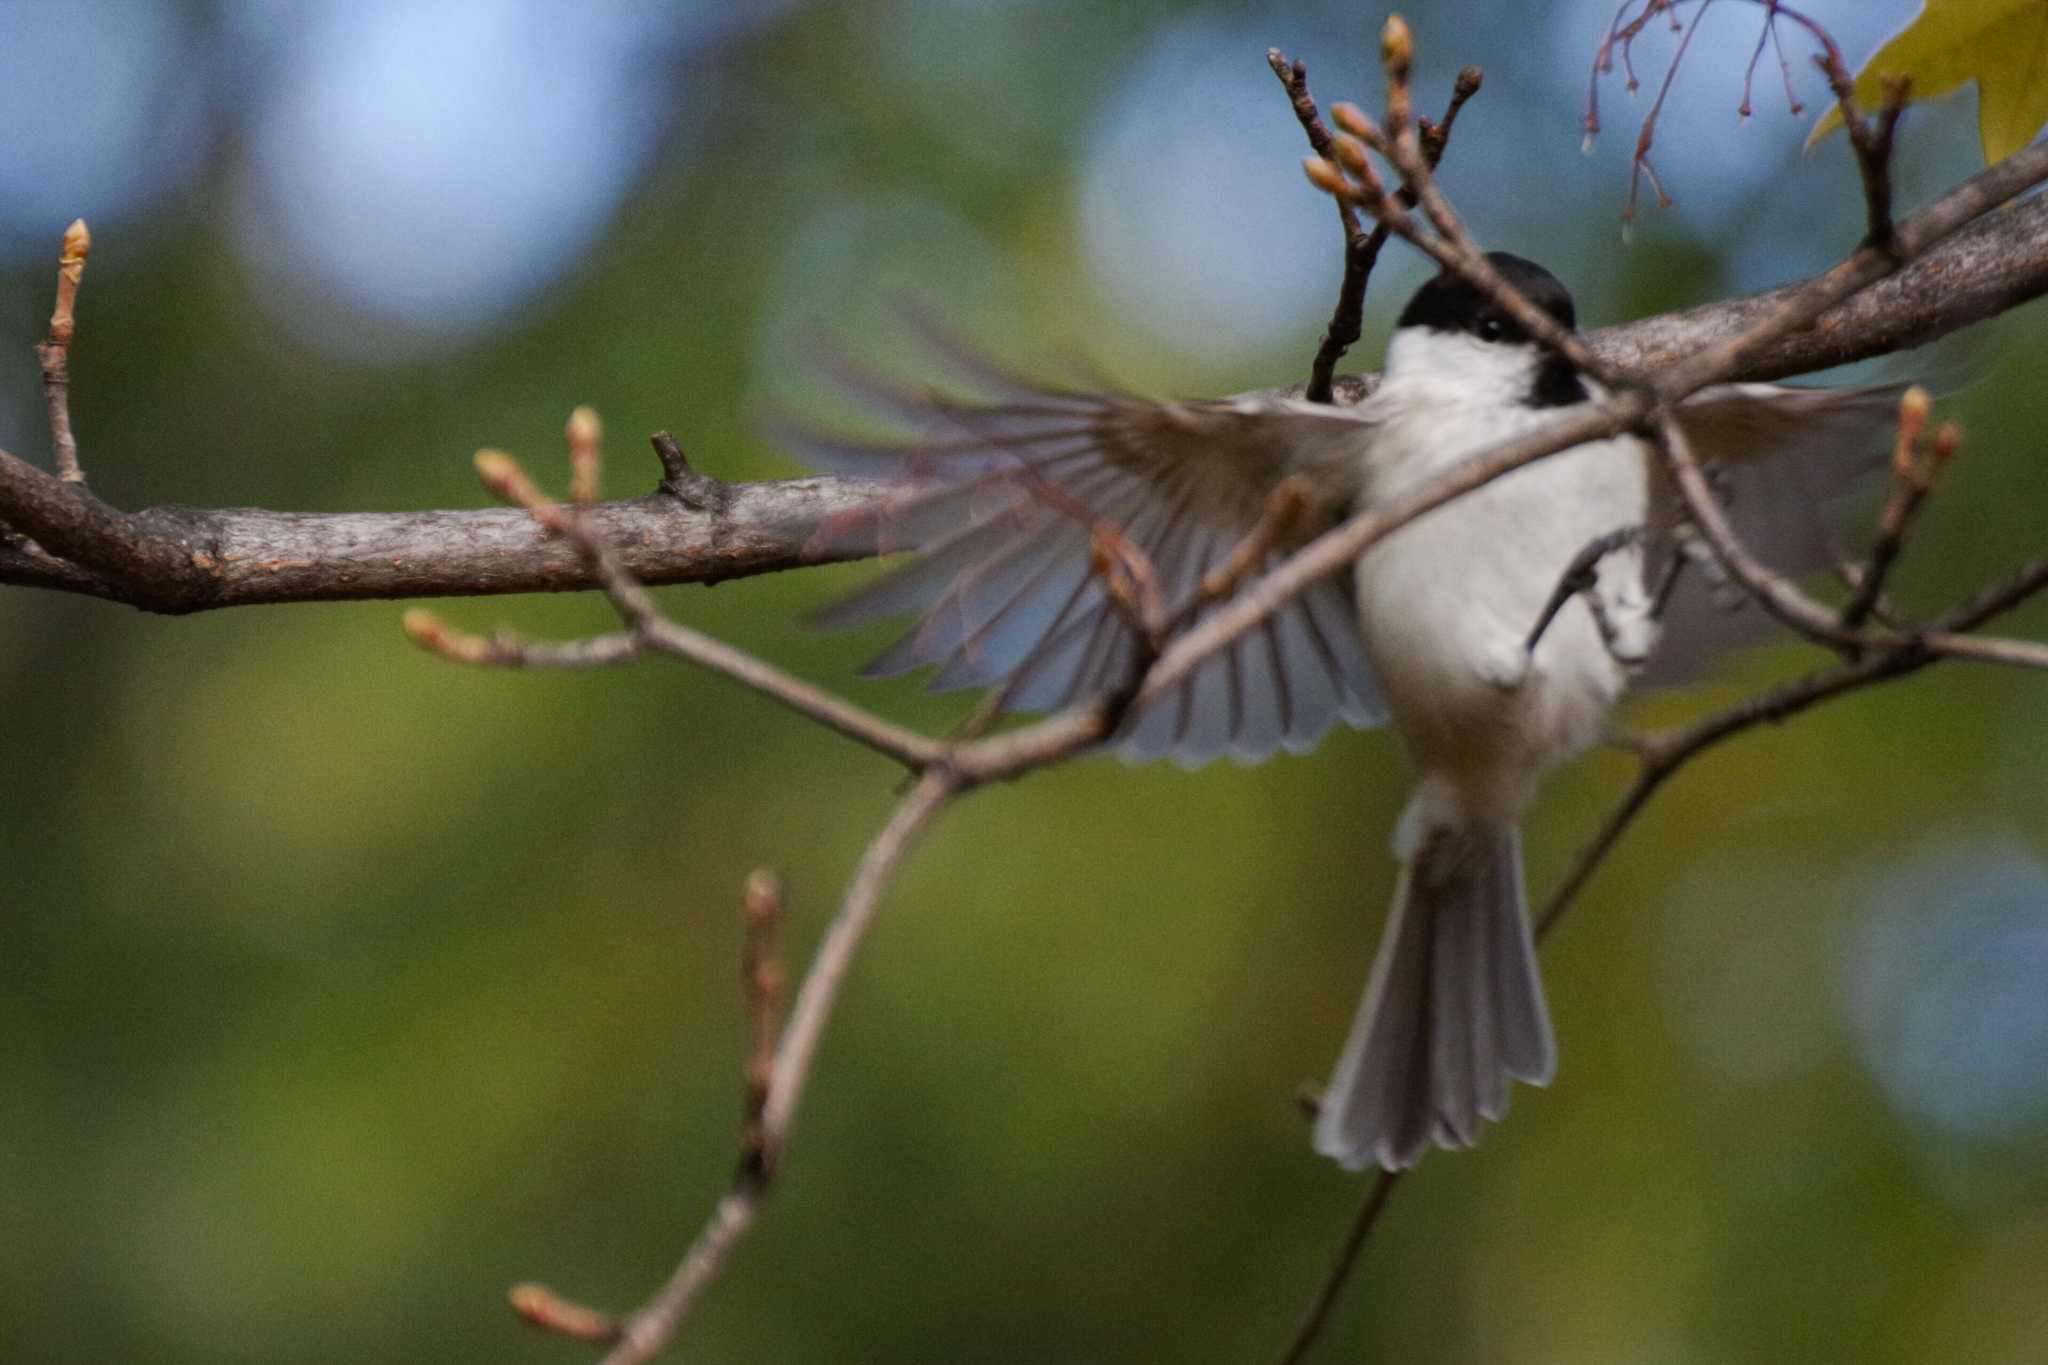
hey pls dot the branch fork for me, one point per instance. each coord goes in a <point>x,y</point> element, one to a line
<point>1361,248</point>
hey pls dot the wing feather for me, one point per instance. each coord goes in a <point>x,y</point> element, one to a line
<point>999,499</point>
<point>1789,464</point>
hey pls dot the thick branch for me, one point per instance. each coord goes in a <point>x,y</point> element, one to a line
<point>119,556</point>
<point>200,559</point>
<point>1991,266</point>
<point>245,556</point>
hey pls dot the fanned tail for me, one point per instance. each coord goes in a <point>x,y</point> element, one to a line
<point>1452,1012</point>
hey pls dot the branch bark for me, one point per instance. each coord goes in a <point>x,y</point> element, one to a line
<point>177,560</point>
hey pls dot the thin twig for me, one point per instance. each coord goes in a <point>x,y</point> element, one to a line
<point>1871,139</point>
<point>1437,135</point>
<point>1361,249</point>
<point>762,976</point>
<point>907,747</point>
<point>1622,32</point>
<point>1317,1315</point>
<point>1288,509</point>
<point>509,649</point>
<point>1787,601</point>
<point>1998,598</point>
<point>504,477</point>
<point>1913,476</point>
<point>1453,248</point>
<point>1646,135</point>
<point>1984,649</point>
<point>55,353</point>
<point>650,1328</point>
<point>1664,754</point>
<point>1772,590</point>
<point>835,954</point>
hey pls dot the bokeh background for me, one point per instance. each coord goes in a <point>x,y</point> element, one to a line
<point>340,987</point>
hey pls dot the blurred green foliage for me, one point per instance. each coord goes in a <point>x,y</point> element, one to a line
<point>341,988</point>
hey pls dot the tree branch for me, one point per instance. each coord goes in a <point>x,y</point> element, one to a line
<point>176,560</point>
<point>649,1330</point>
<point>649,631</point>
<point>1338,548</point>
<point>1361,248</point>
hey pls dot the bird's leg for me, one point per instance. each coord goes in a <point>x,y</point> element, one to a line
<point>1581,578</point>
<point>1684,551</point>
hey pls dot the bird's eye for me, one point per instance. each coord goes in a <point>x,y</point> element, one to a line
<point>1491,329</point>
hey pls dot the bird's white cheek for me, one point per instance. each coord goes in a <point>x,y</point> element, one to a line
<point>1458,369</point>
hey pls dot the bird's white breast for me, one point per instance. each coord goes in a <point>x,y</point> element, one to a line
<point>1447,602</point>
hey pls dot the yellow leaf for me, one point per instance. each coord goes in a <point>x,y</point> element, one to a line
<point>2002,45</point>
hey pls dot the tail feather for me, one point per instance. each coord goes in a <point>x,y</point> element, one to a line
<point>1528,1049</point>
<point>1453,1009</point>
<point>1456,1027</point>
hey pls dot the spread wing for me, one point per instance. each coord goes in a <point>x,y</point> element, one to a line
<point>1788,463</point>
<point>997,498</point>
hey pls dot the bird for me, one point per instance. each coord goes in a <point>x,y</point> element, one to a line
<point>1493,635</point>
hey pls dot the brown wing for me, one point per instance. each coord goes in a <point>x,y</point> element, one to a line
<point>996,500</point>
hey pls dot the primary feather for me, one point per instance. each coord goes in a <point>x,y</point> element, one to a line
<point>1000,501</point>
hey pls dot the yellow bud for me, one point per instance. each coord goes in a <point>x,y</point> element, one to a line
<point>1914,406</point>
<point>508,480</point>
<point>436,636</point>
<point>585,463</point>
<point>763,895</point>
<point>1325,176</point>
<point>1353,120</point>
<point>424,627</point>
<point>499,471</point>
<point>1397,47</point>
<point>543,1307</point>
<point>583,427</point>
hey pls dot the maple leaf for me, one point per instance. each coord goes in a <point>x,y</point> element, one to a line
<point>2002,45</point>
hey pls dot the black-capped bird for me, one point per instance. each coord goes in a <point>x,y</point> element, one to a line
<point>1435,632</point>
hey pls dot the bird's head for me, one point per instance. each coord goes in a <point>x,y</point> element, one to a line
<point>1454,335</point>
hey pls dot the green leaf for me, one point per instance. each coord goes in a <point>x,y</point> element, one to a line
<point>2002,45</point>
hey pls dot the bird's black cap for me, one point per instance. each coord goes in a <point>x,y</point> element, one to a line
<point>1448,304</point>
